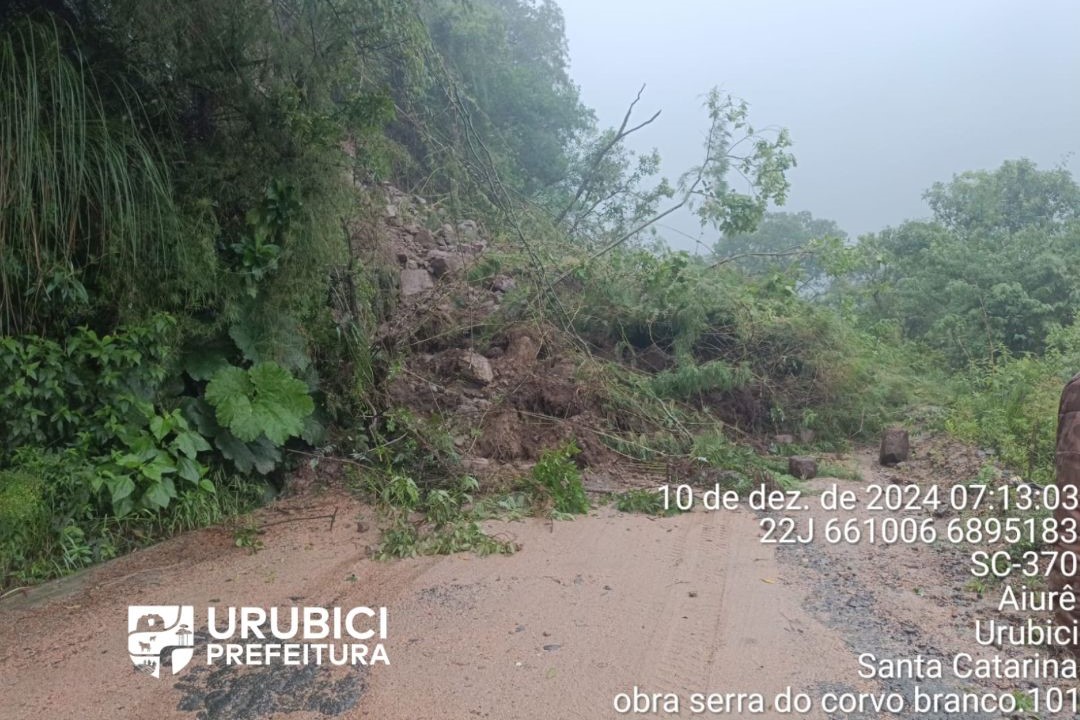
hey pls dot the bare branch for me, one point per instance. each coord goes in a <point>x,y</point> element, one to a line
<point>798,250</point>
<point>687,194</point>
<point>594,167</point>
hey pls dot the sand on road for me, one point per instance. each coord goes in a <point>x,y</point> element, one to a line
<point>587,609</point>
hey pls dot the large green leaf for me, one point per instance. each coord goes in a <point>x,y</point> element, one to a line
<point>261,455</point>
<point>265,400</point>
<point>203,363</point>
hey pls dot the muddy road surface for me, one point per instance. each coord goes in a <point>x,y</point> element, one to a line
<point>606,612</point>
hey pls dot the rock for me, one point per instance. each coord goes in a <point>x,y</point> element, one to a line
<point>802,466</point>
<point>391,211</point>
<point>784,439</point>
<point>403,259</point>
<point>894,446</point>
<point>503,284</point>
<point>426,239</point>
<point>442,262</point>
<point>414,281</point>
<point>521,351</point>
<point>447,235</point>
<point>476,368</point>
<point>807,436</point>
<point>468,231</point>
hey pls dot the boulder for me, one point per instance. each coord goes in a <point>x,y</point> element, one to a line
<point>447,235</point>
<point>784,439</point>
<point>476,368</point>
<point>425,238</point>
<point>521,351</point>
<point>415,281</point>
<point>803,467</point>
<point>442,262</point>
<point>894,446</point>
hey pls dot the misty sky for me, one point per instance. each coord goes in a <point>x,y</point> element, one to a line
<point>882,98</point>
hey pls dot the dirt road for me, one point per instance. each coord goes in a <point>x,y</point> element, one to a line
<point>586,610</point>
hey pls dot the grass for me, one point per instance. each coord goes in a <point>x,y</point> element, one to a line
<point>86,192</point>
<point>839,470</point>
<point>55,552</point>
<point>647,502</point>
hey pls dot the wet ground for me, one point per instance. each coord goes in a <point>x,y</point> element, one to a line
<point>586,611</point>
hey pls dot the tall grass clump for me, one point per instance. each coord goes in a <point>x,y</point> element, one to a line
<point>85,202</point>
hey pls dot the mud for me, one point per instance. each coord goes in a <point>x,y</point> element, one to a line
<point>587,609</point>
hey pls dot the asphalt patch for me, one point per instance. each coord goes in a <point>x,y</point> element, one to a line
<point>232,692</point>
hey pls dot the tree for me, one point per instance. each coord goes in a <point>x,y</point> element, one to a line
<point>997,269</point>
<point>760,161</point>
<point>783,241</point>
<point>512,60</point>
<point>623,201</point>
<point>1016,196</point>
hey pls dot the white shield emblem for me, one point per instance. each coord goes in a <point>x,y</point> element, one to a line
<point>154,630</point>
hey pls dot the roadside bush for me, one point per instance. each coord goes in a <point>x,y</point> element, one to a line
<point>647,502</point>
<point>83,389</point>
<point>556,477</point>
<point>1011,408</point>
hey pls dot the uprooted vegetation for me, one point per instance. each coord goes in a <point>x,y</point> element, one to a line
<point>651,367</point>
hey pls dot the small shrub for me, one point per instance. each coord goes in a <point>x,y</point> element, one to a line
<point>444,528</point>
<point>720,452</point>
<point>557,477</point>
<point>247,536</point>
<point>264,400</point>
<point>691,381</point>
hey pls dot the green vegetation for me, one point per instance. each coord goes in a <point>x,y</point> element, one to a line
<point>440,524</point>
<point>193,277</point>
<point>647,502</point>
<point>992,274</point>
<point>557,480</point>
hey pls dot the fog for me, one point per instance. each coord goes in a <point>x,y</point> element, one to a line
<point>882,99</point>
